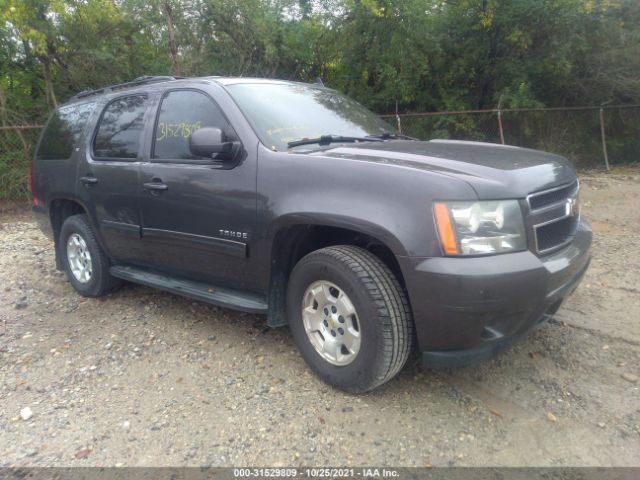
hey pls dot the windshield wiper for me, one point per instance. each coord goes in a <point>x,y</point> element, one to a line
<point>328,139</point>
<point>391,136</point>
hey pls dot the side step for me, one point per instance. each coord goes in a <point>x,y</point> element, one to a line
<point>224,297</point>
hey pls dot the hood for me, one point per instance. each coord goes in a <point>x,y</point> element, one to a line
<point>494,171</point>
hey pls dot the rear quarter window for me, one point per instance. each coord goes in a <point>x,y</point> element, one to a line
<point>64,131</point>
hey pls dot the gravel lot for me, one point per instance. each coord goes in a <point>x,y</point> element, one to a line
<point>143,377</point>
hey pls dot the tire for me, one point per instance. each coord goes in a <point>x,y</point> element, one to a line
<point>382,326</point>
<point>97,282</point>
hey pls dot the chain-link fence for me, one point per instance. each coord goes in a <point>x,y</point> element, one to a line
<point>16,150</point>
<point>576,133</point>
<point>588,136</point>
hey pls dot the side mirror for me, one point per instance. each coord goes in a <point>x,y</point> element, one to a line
<point>209,142</point>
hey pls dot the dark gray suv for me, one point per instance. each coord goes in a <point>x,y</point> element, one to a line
<point>293,201</point>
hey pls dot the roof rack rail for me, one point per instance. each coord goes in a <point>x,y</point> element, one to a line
<point>134,83</point>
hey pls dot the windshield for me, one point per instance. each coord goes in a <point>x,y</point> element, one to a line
<point>282,113</point>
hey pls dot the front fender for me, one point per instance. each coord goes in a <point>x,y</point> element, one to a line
<point>338,220</point>
<point>390,202</point>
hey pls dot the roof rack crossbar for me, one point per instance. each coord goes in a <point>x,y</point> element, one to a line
<point>134,83</point>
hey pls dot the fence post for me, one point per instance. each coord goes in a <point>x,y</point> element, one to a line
<point>604,139</point>
<point>399,123</point>
<point>500,126</point>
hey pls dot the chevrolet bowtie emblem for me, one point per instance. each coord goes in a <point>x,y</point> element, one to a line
<point>572,207</point>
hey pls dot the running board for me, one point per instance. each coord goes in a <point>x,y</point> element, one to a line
<point>224,297</point>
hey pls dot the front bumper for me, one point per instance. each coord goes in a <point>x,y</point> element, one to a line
<point>467,309</point>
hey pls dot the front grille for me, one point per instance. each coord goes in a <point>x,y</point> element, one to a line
<point>544,199</point>
<point>556,234</point>
<point>554,217</point>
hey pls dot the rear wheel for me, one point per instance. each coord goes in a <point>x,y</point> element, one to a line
<point>84,261</point>
<point>349,317</point>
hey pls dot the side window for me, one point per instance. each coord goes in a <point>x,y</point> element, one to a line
<point>120,128</point>
<point>63,131</point>
<point>181,113</point>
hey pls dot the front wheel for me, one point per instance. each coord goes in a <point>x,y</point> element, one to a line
<point>349,317</point>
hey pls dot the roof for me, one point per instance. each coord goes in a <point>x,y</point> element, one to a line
<point>146,80</point>
<point>157,80</point>
<point>252,80</point>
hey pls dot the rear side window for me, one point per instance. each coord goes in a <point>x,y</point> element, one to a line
<point>63,131</point>
<point>120,128</point>
<point>182,112</point>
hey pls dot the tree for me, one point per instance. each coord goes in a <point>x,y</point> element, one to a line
<point>423,54</point>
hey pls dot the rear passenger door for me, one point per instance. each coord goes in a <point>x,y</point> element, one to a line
<point>198,224</point>
<point>108,176</point>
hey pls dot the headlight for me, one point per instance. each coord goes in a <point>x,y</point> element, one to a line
<point>480,228</point>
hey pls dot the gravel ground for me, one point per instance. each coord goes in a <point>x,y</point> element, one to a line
<point>143,377</point>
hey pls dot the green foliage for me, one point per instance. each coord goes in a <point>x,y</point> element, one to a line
<point>423,54</point>
<point>519,97</point>
<point>12,174</point>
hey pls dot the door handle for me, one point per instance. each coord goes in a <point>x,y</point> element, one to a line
<point>156,185</point>
<point>89,180</point>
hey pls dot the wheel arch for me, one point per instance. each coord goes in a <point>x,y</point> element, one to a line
<point>293,241</point>
<point>59,210</point>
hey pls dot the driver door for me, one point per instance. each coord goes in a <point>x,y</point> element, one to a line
<point>198,218</point>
